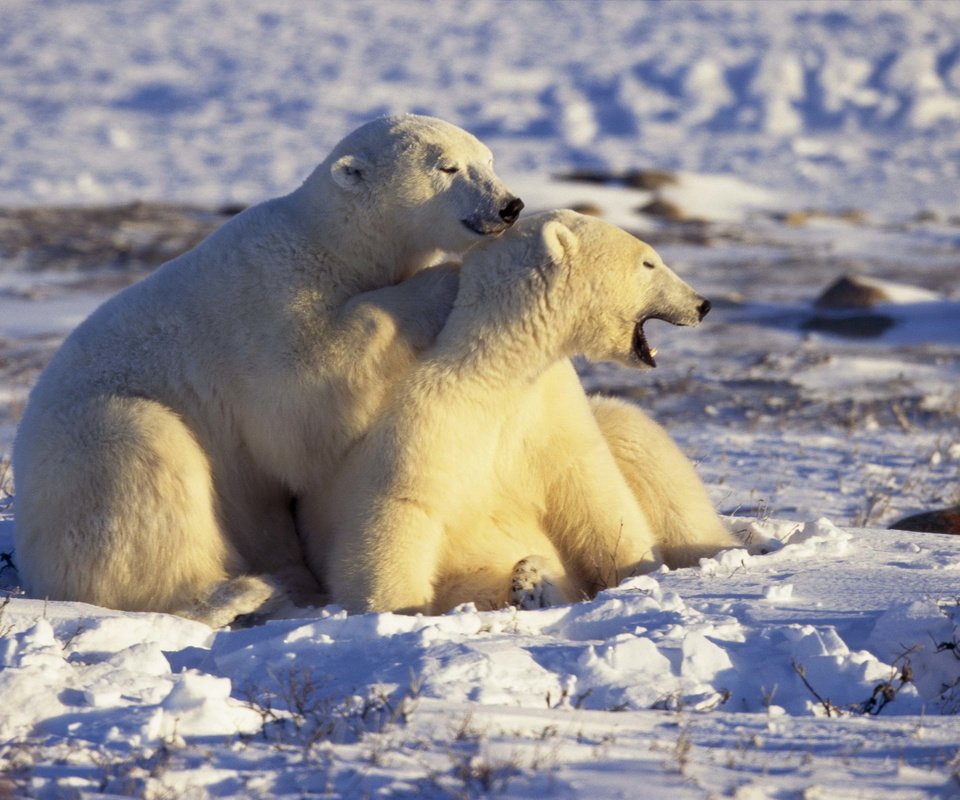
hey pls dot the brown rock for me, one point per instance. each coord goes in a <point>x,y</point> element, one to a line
<point>855,216</point>
<point>598,176</point>
<point>664,209</point>
<point>852,291</point>
<point>798,219</point>
<point>649,179</point>
<point>945,520</point>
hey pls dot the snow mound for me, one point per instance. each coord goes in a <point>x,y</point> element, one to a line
<point>751,631</point>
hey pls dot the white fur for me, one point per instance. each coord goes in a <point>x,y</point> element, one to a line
<point>488,465</point>
<point>664,482</point>
<point>160,452</point>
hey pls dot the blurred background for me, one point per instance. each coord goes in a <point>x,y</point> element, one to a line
<point>837,104</point>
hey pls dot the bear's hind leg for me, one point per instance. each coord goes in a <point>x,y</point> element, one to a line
<point>115,506</point>
<point>253,597</point>
<point>664,482</point>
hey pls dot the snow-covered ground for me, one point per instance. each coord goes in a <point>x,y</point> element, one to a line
<point>806,138</point>
<point>196,100</point>
<point>781,675</point>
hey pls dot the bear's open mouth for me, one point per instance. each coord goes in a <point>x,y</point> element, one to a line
<point>641,347</point>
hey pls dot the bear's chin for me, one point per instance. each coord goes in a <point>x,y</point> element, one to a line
<point>481,228</point>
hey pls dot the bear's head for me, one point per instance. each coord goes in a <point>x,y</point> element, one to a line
<point>587,286</point>
<point>422,180</point>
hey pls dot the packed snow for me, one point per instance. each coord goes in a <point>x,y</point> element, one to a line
<point>805,141</point>
<point>768,674</point>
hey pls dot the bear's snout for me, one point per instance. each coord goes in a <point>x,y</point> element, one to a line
<point>511,210</point>
<point>703,309</point>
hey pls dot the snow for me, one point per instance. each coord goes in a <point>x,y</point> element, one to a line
<point>194,102</point>
<point>818,660</point>
<point>711,656</point>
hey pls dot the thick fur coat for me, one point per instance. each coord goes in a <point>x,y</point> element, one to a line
<point>490,476</point>
<point>161,452</point>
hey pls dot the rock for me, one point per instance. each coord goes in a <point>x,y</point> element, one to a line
<point>797,219</point>
<point>664,209</point>
<point>852,215</point>
<point>859,326</point>
<point>598,176</point>
<point>944,520</point>
<point>649,179</point>
<point>926,215</point>
<point>800,218</point>
<point>852,291</point>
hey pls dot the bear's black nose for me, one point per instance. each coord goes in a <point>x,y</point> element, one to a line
<point>511,211</point>
<point>704,308</point>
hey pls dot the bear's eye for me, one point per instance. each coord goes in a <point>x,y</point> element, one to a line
<point>649,265</point>
<point>450,169</point>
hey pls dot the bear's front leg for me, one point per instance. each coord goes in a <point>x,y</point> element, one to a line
<point>409,314</point>
<point>390,562</point>
<point>664,482</point>
<point>598,526</point>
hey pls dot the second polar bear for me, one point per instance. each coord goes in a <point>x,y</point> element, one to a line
<point>162,450</point>
<point>488,477</point>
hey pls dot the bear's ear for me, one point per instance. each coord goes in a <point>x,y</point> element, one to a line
<point>350,172</point>
<point>559,241</point>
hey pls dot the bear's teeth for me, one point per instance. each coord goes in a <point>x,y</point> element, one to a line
<point>653,352</point>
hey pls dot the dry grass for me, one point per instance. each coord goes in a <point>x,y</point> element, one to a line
<point>6,487</point>
<point>295,710</point>
<point>883,693</point>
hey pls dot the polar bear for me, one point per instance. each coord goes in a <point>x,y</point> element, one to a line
<point>665,483</point>
<point>163,450</point>
<point>489,476</point>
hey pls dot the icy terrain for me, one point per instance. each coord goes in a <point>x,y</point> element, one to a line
<point>804,141</point>
<point>201,102</point>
